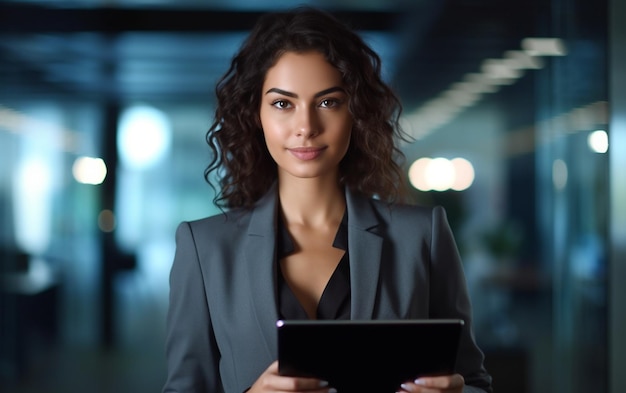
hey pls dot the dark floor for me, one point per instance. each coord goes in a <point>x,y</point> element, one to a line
<point>80,370</point>
<point>70,359</point>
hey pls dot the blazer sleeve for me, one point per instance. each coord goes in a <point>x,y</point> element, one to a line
<point>191,352</point>
<point>449,298</point>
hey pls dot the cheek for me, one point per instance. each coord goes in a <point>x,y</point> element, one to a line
<point>268,127</point>
<point>273,136</point>
<point>345,136</point>
<point>271,130</point>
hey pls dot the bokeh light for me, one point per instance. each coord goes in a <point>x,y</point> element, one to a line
<point>559,174</point>
<point>441,174</point>
<point>464,174</point>
<point>598,141</point>
<point>144,136</point>
<point>89,170</point>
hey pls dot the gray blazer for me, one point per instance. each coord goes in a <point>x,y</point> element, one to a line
<point>221,336</point>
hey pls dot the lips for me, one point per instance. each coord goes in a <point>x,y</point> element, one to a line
<point>306,153</point>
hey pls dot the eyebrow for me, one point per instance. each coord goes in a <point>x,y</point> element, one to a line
<point>294,95</point>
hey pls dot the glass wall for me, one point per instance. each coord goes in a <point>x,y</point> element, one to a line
<point>617,240</point>
<point>49,240</point>
<point>533,226</point>
<point>101,157</point>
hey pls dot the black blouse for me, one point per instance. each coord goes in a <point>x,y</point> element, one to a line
<point>335,300</point>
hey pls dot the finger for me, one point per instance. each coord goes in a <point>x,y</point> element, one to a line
<point>279,382</point>
<point>307,384</point>
<point>411,387</point>
<point>273,368</point>
<point>290,384</point>
<point>443,382</point>
<point>293,383</point>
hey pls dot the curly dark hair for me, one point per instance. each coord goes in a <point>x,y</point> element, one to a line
<point>241,162</point>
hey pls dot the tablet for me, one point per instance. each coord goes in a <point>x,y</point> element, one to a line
<point>373,356</point>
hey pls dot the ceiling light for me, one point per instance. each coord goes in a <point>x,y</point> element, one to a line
<point>461,98</point>
<point>494,74</point>
<point>500,71</point>
<point>523,60</point>
<point>482,82</point>
<point>474,87</point>
<point>544,46</point>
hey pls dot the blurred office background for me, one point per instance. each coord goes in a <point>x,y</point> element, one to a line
<point>518,110</point>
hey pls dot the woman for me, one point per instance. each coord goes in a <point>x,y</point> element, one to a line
<point>313,225</point>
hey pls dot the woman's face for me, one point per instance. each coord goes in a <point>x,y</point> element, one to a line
<point>305,117</point>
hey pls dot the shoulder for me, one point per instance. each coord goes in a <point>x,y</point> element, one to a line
<point>404,212</point>
<point>221,224</point>
<point>406,220</point>
<point>233,224</point>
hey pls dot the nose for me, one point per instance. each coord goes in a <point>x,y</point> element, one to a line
<point>307,123</point>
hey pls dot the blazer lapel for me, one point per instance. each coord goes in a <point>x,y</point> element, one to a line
<point>260,257</point>
<point>365,248</point>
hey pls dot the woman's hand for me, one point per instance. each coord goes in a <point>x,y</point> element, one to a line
<point>447,383</point>
<point>271,381</point>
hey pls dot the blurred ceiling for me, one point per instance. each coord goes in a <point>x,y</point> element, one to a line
<point>175,50</point>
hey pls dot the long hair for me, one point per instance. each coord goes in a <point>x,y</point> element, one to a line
<point>241,162</point>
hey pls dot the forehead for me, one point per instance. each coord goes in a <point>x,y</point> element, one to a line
<point>295,71</point>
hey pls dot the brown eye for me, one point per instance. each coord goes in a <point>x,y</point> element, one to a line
<point>329,103</point>
<point>281,104</point>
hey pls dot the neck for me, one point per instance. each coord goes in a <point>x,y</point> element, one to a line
<point>311,202</point>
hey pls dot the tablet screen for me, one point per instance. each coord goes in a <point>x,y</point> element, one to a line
<point>373,356</point>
